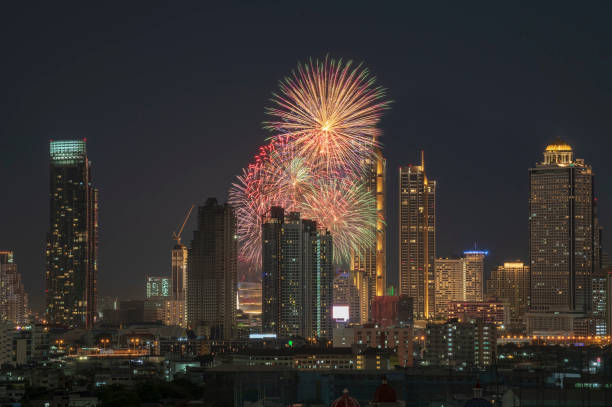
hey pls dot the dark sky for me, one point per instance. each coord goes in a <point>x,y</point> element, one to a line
<point>171,100</point>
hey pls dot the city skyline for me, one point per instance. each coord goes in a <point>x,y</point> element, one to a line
<point>474,122</point>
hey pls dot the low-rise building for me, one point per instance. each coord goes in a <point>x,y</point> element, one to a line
<point>461,344</point>
<point>398,339</point>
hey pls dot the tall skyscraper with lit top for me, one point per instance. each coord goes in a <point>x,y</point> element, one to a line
<point>417,238</point>
<point>561,238</point>
<point>72,242</point>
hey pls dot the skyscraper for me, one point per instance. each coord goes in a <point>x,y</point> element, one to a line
<point>510,282</point>
<point>474,274</point>
<point>72,242</point>
<point>13,298</point>
<point>212,271</point>
<point>450,283</point>
<point>179,271</point>
<point>561,237</point>
<point>372,259</point>
<point>417,238</point>
<point>346,292</point>
<point>297,282</point>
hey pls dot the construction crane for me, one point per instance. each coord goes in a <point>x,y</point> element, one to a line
<point>177,236</point>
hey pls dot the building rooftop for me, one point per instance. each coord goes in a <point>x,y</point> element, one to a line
<point>559,145</point>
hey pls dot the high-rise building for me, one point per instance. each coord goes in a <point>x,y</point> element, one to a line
<point>13,298</point>
<point>600,301</point>
<point>297,280</point>
<point>158,287</point>
<point>511,282</point>
<point>346,293</point>
<point>561,235</point>
<point>417,238</point>
<point>450,283</point>
<point>474,274</point>
<point>176,307</point>
<point>72,242</point>
<point>372,259</point>
<point>212,271</point>
<point>179,271</point>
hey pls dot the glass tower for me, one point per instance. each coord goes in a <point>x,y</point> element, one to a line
<point>72,241</point>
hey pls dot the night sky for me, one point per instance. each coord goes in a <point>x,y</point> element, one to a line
<point>171,100</point>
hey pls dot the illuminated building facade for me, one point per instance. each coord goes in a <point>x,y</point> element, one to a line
<point>249,297</point>
<point>158,287</point>
<point>417,238</point>
<point>494,312</point>
<point>398,339</point>
<point>511,283</point>
<point>212,271</point>
<point>297,282</point>
<point>372,260</point>
<point>561,235</point>
<point>72,242</point>
<point>600,301</point>
<point>346,292</point>
<point>450,283</point>
<point>474,274</point>
<point>461,345</point>
<point>179,272</point>
<point>13,298</point>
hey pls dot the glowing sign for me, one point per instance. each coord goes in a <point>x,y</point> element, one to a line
<point>340,312</point>
<point>262,336</point>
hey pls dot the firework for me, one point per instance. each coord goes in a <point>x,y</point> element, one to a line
<point>329,111</point>
<point>324,137</point>
<point>347,209</point>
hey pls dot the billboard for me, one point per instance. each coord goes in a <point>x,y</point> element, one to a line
<point>340,313</point>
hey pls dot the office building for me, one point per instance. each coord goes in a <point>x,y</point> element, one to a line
<point>450,283</point>
<point>474,274</point>
<point>212,271</point>
<point>561,237</point>
<point>72,242</point>
<point>494,312</point>
<point>297,280</point>
<point>461,345</point>
<point>459,279</point>
<point>600,301</point>
<point>346,293</point>
<point>158,287</point>
<point>511,283</point>
<point>371,259</point>
<point>417,238</point>
<point>13,298</point>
